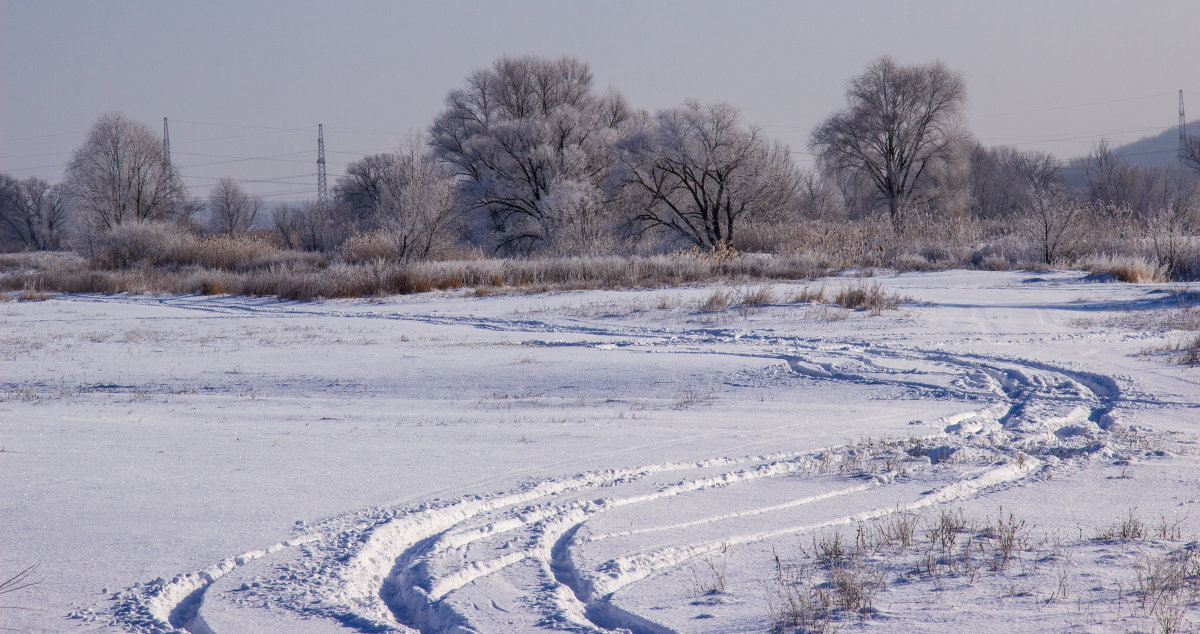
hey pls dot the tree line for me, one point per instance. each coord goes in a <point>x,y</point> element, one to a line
<point>528,156</point>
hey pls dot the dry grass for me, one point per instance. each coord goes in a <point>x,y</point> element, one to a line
<point>1126,268</point>
<point>711,579</point>
<point>799,604</point>
<point>16,583</point>
<point>839,578</point>
<point>25,296</point>
<point>1185,351</point>
<point>372,246</point>
<point>808,295</point>
<point>1127,529</point>
<point>165,258</point>
<point>251,267</point>
<point>160,245</point>
<point>757,296</point>
<point>716,302</point>
<point>871,297</point>
<point>747,300</point>
<point>1167,586</point>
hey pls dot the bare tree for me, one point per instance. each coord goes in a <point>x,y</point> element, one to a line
<point>1002,178</point>
<point>120,174</point>
<point>699,173</point>
<point>1191,151</point>
<point>33,212</point>
<point>287,221</point>
<point>900,121</point>
<point>529,141</point>
<point>361,187</point>
<point>1111,179</point>
<point>819,198</point>
<point>12,224</point>
<point>230,210</point>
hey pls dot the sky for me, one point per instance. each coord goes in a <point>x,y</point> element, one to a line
<point>245,83</point>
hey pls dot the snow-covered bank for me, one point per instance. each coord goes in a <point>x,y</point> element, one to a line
<point>582,460</point>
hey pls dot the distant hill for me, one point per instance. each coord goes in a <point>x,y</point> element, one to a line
<point>1159,150</point>
<point>1153,151</point>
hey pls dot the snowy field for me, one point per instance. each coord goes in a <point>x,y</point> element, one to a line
<point>599,460</point>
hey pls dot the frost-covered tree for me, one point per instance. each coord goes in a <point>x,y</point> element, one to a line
<point>417,204</point>
<point>817,197</point>
<point>120,174</point>
<point>1171,217</point>
<point>696,172</point>
<point>1111,179</point>
<point>33,213</point>
<point>529,140</point>
<point>311,226</point>
<point>231,210</point>
<point>1053,222</point>
<point>899,124</point>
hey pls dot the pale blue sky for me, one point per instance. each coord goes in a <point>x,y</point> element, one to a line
<point>253,78</point>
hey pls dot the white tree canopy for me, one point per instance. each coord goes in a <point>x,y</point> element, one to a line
<point>530,143</point>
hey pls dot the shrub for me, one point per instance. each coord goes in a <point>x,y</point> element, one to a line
<point>131,243</point>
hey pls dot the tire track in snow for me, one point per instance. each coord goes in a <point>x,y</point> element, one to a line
<point>377,587</point>
<point>625,570</point>
<point>386,584</point>
<point>591,591</point>
<point>423,533</point>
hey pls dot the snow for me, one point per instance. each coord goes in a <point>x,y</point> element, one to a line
<point>583,460</point>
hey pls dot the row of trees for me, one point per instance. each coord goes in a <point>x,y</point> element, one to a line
<point>119,175</point>
<point>528,156</point>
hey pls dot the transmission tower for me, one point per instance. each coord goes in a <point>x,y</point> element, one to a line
<point>166,144</point>
<point>1182,129</point>
<point>321,192</point>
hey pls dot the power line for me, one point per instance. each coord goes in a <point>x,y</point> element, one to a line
<point>286,193</point>
<point>278,180</point>
<point>242,125</point>
<point>1017,141</point>
<point>1073,105</point>
<point>240,136</point>
<point>40,136</point>
<point>35,167</point>
<point>243,159</point>
<point>366,131</point>
<point>9,156</point>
